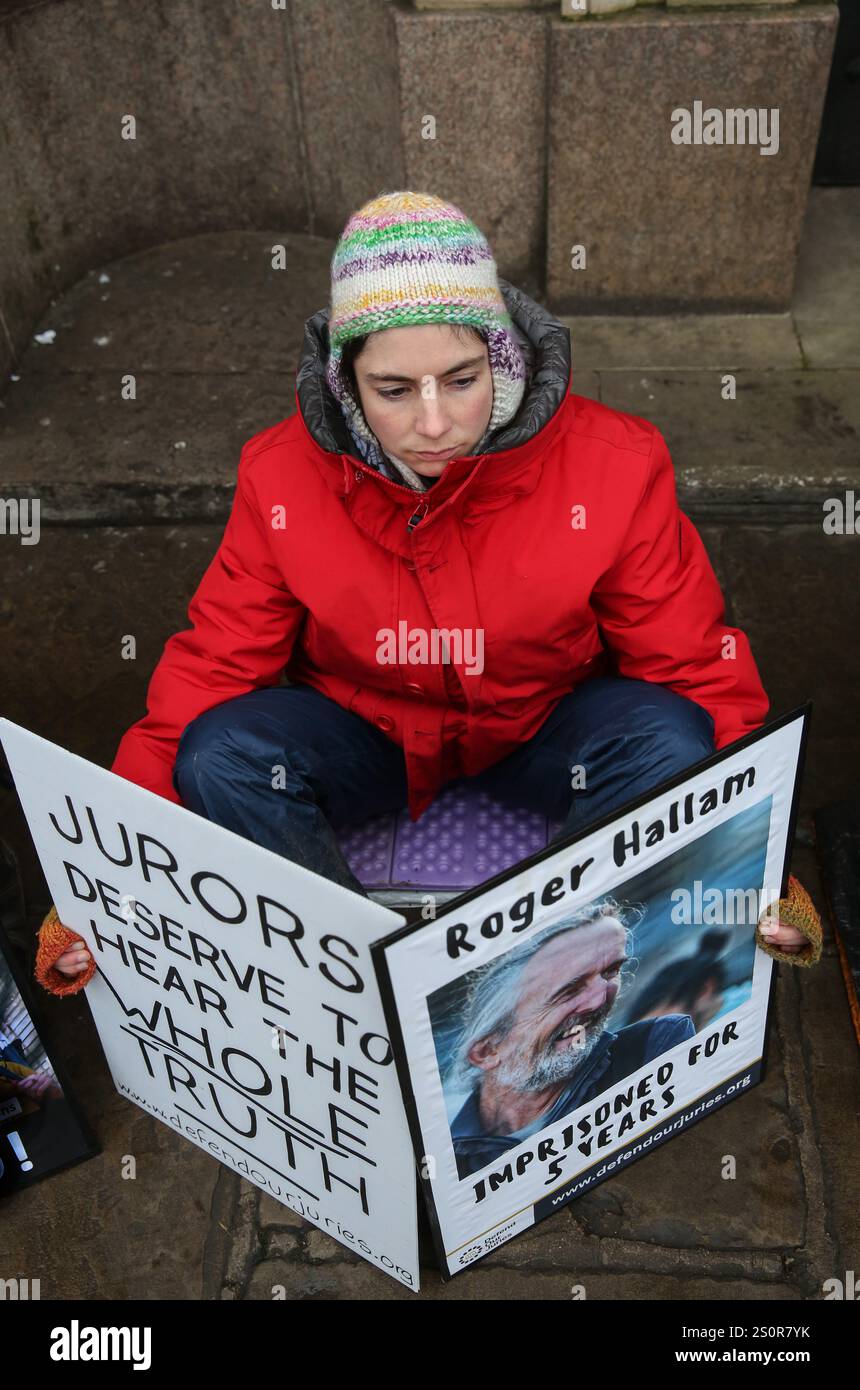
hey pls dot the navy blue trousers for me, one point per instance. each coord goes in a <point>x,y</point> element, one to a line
<point>287,767</point>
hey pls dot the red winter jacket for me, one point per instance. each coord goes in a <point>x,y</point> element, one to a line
<point>562,548</point>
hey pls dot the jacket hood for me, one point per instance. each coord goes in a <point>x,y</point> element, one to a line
<point>548,385</point>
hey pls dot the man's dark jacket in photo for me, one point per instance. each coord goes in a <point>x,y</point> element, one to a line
<point>615,1057</point>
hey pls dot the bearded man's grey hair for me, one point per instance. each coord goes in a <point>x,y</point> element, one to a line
<point>495,990</point>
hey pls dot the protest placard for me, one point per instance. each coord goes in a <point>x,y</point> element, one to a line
<point>570,1015</point>
<point>235,997</point>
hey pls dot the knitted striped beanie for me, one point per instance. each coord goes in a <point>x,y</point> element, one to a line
<point>410,258</point>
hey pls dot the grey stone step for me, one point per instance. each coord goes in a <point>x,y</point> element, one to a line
<point>210,334</point>
<point>208,303</point>
<point>787,442</point>
<point>170,455</point>
<point>684,342</point>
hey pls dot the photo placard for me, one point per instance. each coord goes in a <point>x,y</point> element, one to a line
<point>572,1014</point>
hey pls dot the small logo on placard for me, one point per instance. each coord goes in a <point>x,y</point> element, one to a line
<point>471,1254</point>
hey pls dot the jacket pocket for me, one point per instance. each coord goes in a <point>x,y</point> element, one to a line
<point>585,648</point>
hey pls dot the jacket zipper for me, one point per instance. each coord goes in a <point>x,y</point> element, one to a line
<point>420,511</point>
<point>417,515</point>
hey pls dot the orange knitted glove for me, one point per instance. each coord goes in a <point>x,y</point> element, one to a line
<point>797,910</point>
<point>54,939</point>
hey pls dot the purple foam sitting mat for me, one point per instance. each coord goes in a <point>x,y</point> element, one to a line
<point>464,838</point>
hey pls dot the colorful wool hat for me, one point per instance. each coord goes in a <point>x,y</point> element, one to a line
<point>410,258</point>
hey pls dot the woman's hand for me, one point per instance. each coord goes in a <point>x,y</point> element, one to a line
<point>783,936</point>
<point>64,964</point>
<point>792,927</point>
<point>73,961</point>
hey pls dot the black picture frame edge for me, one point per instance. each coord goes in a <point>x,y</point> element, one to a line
<point>92,1147</point>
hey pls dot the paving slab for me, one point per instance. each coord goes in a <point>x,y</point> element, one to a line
<point>79,592</point>
<point>829,343</point>
<point>153,372</point>
<point>796,593</point>
<point>827,282</point>
<point>788,440</point>
<point>88,1232</point>
<point>832,764</point>
<point>586,383</point>
<point>797,596</point>
<point>65,606</point>
<point>826,302</point>
<point>207,303</point>
<point>171,454</point>
<point>830,1046</point>
<point>210,337</point>
<point>346,1281</point>
<point>824,1033</point>
<point>683,342</point>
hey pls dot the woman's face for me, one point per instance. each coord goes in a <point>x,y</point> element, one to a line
<point>425,390</point>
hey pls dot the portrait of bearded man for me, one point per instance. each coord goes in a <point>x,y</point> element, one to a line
<point>535,1042</point>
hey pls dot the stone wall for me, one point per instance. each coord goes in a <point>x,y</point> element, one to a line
<point>549,134</point>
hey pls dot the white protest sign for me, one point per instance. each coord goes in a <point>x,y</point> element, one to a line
<point>235,997</point>
<point>559,1022</point>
